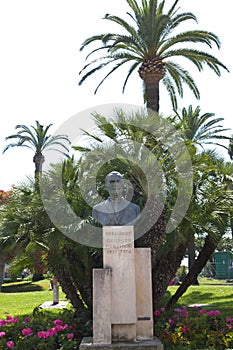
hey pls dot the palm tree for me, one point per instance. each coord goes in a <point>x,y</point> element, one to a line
<point>25,222</point>
<point>148,45</point>
<point>168,249</point>
<point>200,129</point>
<point>230,148</point>
<point>4,196</point>
<point>213,220</point>
<point>37,139</point>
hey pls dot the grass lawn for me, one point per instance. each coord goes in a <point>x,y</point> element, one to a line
<point>216,294</point>
<point>20,298</point>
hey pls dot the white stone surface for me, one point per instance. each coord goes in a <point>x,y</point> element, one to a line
<point>118,254</point>
<point>102,333</point>
<point>144,293</point>
<point>50,305</point>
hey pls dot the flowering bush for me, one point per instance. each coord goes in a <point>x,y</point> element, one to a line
<point>40,333</point>
<point>193,329</point>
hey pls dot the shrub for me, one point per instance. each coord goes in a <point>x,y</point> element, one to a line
<point>193,329</point>
<point>40,332</point>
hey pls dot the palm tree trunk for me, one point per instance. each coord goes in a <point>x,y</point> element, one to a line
<point>62,273</point>
<point>204,255</point>
<point>191,256</point>
<point>69,289</point>
<point>152,92</point>
<point>38,159</point>
<point>2,266</point>
<point>165,270</point>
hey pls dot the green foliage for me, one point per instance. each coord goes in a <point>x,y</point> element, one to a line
<point>230,148</point>
<point>200,129</point>
<point>151,33</point>
<point>41,331</point>
<point>194,329</point>
<point>37,138</point>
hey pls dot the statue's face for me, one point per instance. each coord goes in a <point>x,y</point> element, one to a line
<point>115,187</point>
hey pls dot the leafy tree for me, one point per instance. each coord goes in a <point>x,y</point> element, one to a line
<point>149,42</point>
<point>38,139</point>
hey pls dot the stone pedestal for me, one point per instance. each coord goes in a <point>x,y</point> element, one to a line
<point>153,344</point>
<point>102,332</point>
<point>122,295</point>
<point>144,325</point>
<point>118,254</point>
<point>55,292</point>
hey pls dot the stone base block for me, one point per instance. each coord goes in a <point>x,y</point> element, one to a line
<point>154,344</point>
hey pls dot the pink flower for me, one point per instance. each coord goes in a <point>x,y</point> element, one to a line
<point>2,323</point>
<point>10,344</point>
<point>229,319</point>
<point>51,332</point>
<point>41,334</point>
<point>213,313</point>
<point>27,319</point>
<point>2,334</point>
<point>11,319</point>
<point>202,311</point>
<point>27,331</point>
<point>162,309</point>
<point>184,312</point>
<point>171,321</point>
<point>70,336</point>
<point>59,328</point>
<point>184,329</point>
<point>157,313</point>
<point>58,322</point>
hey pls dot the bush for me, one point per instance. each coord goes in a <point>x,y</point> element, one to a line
<point>37,277</point>
<point>193,329</point>
<point>42,332</point>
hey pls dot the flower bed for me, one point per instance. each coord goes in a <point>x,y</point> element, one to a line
<point>40,332</point>
<point>193,329</point>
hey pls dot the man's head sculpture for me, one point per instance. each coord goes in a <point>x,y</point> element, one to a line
<point>116,210</point>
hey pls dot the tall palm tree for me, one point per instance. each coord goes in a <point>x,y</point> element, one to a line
<point>149,41</point>
<point>38,139</point>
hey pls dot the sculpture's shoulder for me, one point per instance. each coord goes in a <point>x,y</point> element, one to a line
<point>102,205</point>
<point>134,207</point>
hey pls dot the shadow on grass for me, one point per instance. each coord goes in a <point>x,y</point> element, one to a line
<point>22,287</point>
<point>204,297</point>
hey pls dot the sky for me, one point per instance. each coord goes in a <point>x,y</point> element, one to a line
<point>41,60</point>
